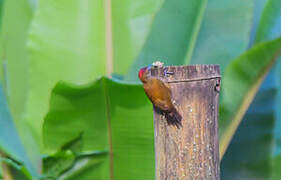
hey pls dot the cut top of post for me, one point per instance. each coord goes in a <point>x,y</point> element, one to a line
<point>173,74</point>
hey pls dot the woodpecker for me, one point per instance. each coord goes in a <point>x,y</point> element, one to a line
<point>160,96</point>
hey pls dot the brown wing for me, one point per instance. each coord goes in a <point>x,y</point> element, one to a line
<point>159,94</point>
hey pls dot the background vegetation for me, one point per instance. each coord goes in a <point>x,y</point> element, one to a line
<point>61,116</point>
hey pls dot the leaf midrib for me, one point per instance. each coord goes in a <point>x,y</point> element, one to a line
<point>195,31</point>
<point>109,130</point>
<point>108,38</point>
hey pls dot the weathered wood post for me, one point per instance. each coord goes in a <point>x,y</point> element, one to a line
<point>191,152</point>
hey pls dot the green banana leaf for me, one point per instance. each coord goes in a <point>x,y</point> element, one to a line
<point>1,49</point>
<point>277,150</point>
<point>14,63</point>
<point>267,30</point>
<point>175,28</point>
<point>241,81</point>
<point>269,27</point>
<point>224,32</point>
<point>131,23</point>
<point>10,143</point>
<point>196,31</point>
<point>249,155</point>
<point>67,41</point>
<point>254,152</point>
<point>258,11</point>
<point>111,117</point>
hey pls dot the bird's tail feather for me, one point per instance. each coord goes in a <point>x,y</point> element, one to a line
<point>173,118</point>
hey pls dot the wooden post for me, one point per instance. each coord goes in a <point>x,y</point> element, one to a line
<point>191,152</point>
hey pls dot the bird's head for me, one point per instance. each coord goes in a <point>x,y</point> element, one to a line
<point>143,73</point>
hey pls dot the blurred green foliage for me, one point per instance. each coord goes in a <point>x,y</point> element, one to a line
<point>93,127</point>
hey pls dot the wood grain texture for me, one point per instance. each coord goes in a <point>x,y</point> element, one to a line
<point>191,152</point>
